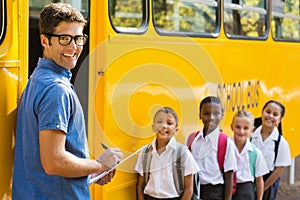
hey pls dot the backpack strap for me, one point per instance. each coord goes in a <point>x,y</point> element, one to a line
<point>277,146</point>
<point>191,138</point>
<point>252,159</point>
<point>222,144</point>
<point>146,161</point>
<point>178,170</point>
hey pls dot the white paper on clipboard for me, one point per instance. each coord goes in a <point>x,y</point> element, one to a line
<point>95,179</point>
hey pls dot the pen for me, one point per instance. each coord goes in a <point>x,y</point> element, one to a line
<point>104,146</point>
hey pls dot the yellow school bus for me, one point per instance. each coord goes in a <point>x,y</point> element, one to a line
<point>144,54</point>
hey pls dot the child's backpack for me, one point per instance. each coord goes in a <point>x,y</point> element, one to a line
<point>178,163</point>
<point>252,160</point>
<point>222,144</point>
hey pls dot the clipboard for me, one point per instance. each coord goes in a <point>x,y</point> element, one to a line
<point>97,178</point>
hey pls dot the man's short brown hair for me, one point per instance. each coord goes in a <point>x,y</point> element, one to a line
<point>54,13</point>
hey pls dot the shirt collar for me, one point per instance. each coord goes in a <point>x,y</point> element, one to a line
<point>257,132</point>
<point>212,136</point>
<point>248,145</point>
<point>273,136</point>
<point>171,144</point>
<point>46,63</point>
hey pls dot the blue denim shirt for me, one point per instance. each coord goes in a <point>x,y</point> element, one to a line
<point>48,102</point>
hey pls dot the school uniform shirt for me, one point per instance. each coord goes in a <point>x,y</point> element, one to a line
<point>205,150</point>
<point>267,147</point>
<point>161,182</point>
<point>243,173</point>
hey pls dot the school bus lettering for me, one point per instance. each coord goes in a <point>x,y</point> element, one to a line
<point>239,95</point>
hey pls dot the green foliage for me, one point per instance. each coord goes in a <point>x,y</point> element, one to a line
<point>184,16</point>
<point>127,13</point>
<point>287,25</point>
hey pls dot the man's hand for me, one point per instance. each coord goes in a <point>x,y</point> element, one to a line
<point>107,178</point>
<point>110,157</point>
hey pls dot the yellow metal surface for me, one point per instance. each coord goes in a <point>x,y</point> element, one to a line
<point>270,67</point>
<point>134,85</point>
<point>13,76</point>
<point>131,76</point>
<point>8,111</point>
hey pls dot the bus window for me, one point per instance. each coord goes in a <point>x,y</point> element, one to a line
<point>35,6</point>
<point>2,19</point>
<point>187,17</point>
<point>128,15</point>
<point>286,20</point>
<point>245,18</point>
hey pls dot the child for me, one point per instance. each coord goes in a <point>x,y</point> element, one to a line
<point>274,147</point>
<point>165,168</point>
<point>215,184</point>
<point>250,161</point>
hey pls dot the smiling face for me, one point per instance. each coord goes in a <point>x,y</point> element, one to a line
<point>211,114</point>
<point>271,115</point>
<point>64,56</point>
<point>165,126</point>
<point>242,128</point>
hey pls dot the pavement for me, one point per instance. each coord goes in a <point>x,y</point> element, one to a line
<point>290,191</point>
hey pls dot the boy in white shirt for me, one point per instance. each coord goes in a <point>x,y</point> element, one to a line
<point>165,167</point>
<point>215,184</point>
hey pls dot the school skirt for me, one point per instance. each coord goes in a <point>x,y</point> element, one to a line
<point>212,192</point>
<point>244,191</point>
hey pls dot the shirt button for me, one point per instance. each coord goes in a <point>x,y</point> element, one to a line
<point>57,126</point>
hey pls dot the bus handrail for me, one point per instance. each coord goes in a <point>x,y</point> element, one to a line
<point>285,15</point>
<point>204,2</point>
<point>245,8</point>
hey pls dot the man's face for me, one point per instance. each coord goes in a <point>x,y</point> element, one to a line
<point>64,56</point>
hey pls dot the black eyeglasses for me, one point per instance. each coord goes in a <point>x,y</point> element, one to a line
<point>65,39</point>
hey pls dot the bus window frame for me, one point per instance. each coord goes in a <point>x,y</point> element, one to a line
<point>3,19</point>
<point>126,30</point>
<point>241,37</point>
<point>287,15</point>
<point>193,34</point>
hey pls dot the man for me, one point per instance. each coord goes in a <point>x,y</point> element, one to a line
<point>51,154</point>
